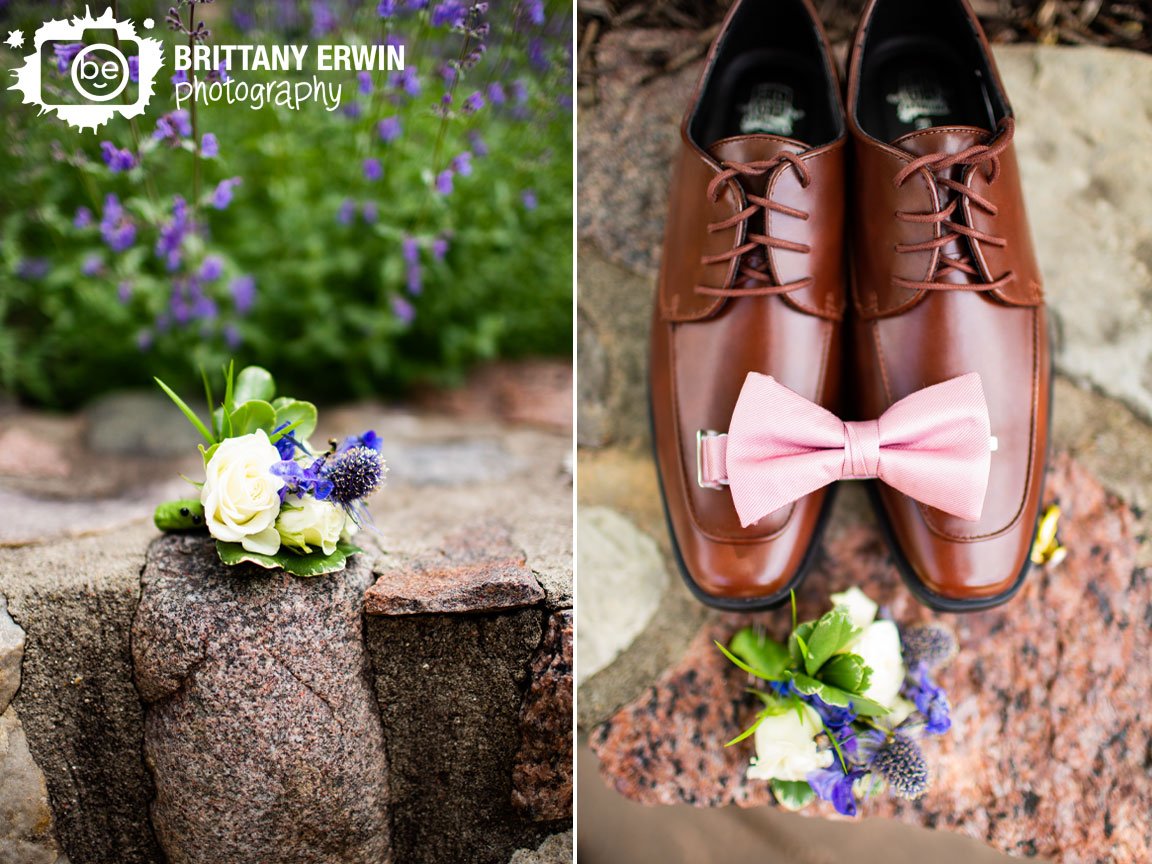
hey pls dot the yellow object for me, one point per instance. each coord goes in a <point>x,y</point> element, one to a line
<point>1046,549</point>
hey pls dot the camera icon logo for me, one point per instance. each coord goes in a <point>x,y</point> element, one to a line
<point>112,71</point>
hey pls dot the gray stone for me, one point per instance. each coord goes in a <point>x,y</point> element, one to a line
<point>592,420</point>
<point>624,579</point>
<point>557,849</point>
<point>139,423</point>
<point>454,463</point>
<point>11,655</point>
<point>450,689</point>
<point>26,835</point>
<point>261,731</point>
<point>82,716</point>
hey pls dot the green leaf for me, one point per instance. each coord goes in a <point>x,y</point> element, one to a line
<point>839,698</point>
<point>792,794</point>
<point>846,672</point>
<point>251,416</point>
<point>751,730</point>
<point>229,381</point>
<point>316,564</point>
<point>798,642</point>
<point>211,403</point>
<point>751,670</point>
<point>188,412</point>
<point>254,383</point>
<point>761,652</point>
<point>832,632</point>
<point>293,411</point>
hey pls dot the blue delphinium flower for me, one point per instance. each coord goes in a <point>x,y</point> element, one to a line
<point>369,439</point>
<point>932,702</point>
<point>834,784</point>
<point>243,290</point>
<point>222,195</point>
<point>302,481</point>
<point>388,129</point>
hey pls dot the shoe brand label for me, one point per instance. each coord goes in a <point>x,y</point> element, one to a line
<point>918,99</point>
<point>771,109</point>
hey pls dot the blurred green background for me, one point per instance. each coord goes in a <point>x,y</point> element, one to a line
<point>352,259</point>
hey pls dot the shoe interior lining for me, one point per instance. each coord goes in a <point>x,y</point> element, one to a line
<point>771,77</point>
<point>922,68</point>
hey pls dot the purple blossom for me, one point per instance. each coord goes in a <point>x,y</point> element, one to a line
<point>932,702</point>
<point>403,310</point>
<point>346,215</point>
<point>365,81</point>
<point>534,9</point>
<point>124,291</point>
<point>300,481</point>
<point>323,19</point>
<point>116,229</point>
<point>386,8</point>
<point>448,74</point>
<point>373,170</point>
<point>222,195</point>
<point>496,94</point>
<point>415,280</point>
<point>33,268</point>
<point>411,250</point>
<point>170,244</point>
<point>92,264</point>
<point>144,340</point>
<point>478,146</point>
<point>173,126</point>
<point>181,77</point>
<point>204,308</point>
<point>352,110</point>
<point>388,129</point>
<point>444,182</point>
<point>416,5</point>
<point>222,73</point>
<point>408,80</point>
<point>537,55</point>
<point>209,146</point>
<point>439,248</point>
<point>835,785</point>
<point>83,218</point>
<point>116,159</point>
<point>211,269</point>
<point>65,53</point>
<point>449,12</point>
<point>243,290</point>
<point>462,164</point>
<point>519,91</point>
<point>232,336</point>
<point>134,69</point>
<point>528,199</point>
<point>369,212</point>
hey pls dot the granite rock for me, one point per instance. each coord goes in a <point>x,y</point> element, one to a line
<point>261,731</point>
<point>557,849</point>
<point>623,580</point>
<point>1049,751</point>
<point>26,835</point>
<point>11,655</point>
<point>478,569</point>
<point>138,423</point>
<point>542,774</point>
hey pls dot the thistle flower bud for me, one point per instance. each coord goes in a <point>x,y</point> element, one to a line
<point>355,474</point>
<point>901,763</point>
<point>930,645</point>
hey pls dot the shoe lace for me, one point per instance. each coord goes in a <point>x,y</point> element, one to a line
<point>757,204</point>
<point>953,231</point>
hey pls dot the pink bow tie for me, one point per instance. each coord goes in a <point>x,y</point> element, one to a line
<point>934,446</point>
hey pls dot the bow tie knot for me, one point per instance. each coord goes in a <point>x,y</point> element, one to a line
<point>934,445</point>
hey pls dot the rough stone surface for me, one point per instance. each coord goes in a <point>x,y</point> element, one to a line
<point>624,579</point>
<point>75,601</point>
<point>1084,123</point>
<point>450,688</point>
<point>557,849</point>
<point>1049,750</point>
<point>534,392</point>
<point>542,775</point>
<point>479,569</point>
<point>26,835</point>
<point>11,655</point>
<point>139,423</point>
<point>261,731</point>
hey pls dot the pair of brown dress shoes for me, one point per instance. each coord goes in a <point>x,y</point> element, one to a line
<point>857,254</point>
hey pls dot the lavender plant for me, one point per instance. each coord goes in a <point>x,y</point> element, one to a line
<point>423,226</point>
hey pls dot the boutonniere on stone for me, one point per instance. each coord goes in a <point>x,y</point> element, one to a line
<point>268,496</point>
<point>845,704</point>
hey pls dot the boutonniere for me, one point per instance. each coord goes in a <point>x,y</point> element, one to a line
<point>845,703</point>
<point>268,496</point>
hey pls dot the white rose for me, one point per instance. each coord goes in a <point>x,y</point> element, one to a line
<point>241,495</point>
<point>861,608</point>
<point>307,522</point>
<point>879,648</point>
<point>786,746</point>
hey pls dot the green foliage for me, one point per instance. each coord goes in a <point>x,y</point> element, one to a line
<point>323,317</point>
<point>314,564</point>
<point>792,794</point>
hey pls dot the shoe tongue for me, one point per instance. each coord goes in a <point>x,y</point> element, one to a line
<point>754,148</point>
<point>942,139</point>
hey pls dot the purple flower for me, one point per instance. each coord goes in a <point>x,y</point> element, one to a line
<point>478,145</point>
<point>323,19</point>
<point>416,5</point>
<point>243,289</point>
<point>496,94</point>
<point>403,310</point>
<point>352,110</point>
<point>439,248</point>
<point>932,702</point>
<point>181,77</point>
<point>116,159</point>
<point>301,481</point>
<point>222,195</point>
<point>388,129</point>
<point>65,53</point>
<point>232,336</point>
<point>369,439</point>
<point>173,126</point>
<point>535,11</point>
<point>373,170</point>
<point>222,73</point>
<point>92,264</point>
<point>415,280</point>
<point>462,164</point>
<point>407,80</point>
<point>170,244</point>
<point>528,199</point>
<point>211,269</point>
<point>83,218</point>
<point>448,73</point>
<point>449,12</point>
<point>411,250</point>
<point>209,146</point>
<point>474,103</point>
<point>33,268</point>
<point>835,785</point>
<point>537,56</point>
<point>116,229</point>
<point>124,291</point>
<point>365,81</point>
<point>386,8</point>
<point>519,91</point>
<point>346,215</point>
<point>369,212</point>
<point>134,69</point>
<point>444,182</point>
<point>144,340</point>
<point>204,308</point>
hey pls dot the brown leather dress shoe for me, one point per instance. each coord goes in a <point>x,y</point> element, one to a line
<point>752,280</point>
<point>945,282</point>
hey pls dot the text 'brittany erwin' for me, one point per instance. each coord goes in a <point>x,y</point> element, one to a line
<point>289,58</point>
